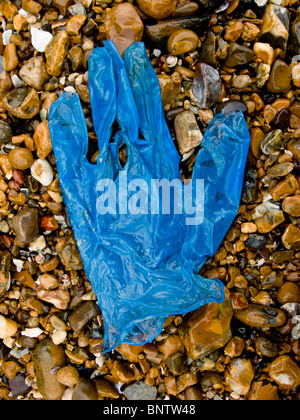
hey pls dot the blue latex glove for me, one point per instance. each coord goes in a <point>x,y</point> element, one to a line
<point>142,267</point>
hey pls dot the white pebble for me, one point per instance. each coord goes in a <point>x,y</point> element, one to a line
<point>17,82</point>
<point>58,337</point>
<point>6,36</point>
<point>40,39</point>
<point>38,244</point>
<point>23,13</point>
<point>41,171</point>
<point>32,332</point>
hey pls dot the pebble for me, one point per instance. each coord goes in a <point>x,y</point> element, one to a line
<point>8,327</point>
<point>25,225</point>
<point>40,39</point>
<point>267,216</point>
<point>157,9</point>
<point>48,357</point>
<point>285,372</point>
<point>240,375</point>
<point>264,52</point>
<point>42,140</point>
<point>22,103</point>
<point>182,41</point>
<point>284,188</point>
<point>123,26</point>
<point>256,241</point>
<point>10,56</point>
<point>55,53</point>
<point>291,205</point>
<point>234,32</point>
<point>291,237</point>
<point>280,78</point>
<point>106,389</point>
<point>140,391</point>
<point>281,169</point>
<point>5,132</point>
<point>207,329</point>
<point>232,105</point>
<point>273,142</point>
<point>68,376</point>
<point>85,390</point>
<point>275,28</point>
<point>258,316</point>
<point>42,171</point>
<point>289,292</point>
<point>188,134</point>
<point>34,73</point>
<point>82,315</point>
<point>207,86</point>
<point>20,158</point>
<point>266,347</point>
<point>238,55</point>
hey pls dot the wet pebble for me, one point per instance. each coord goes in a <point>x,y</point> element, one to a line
<point>20,158</point>
<point>5,132</point>
<point>140,391</point>
<point>285,372</point>
<point>260,317</point>
<point>182,41</point>
<point>25,225</point>
<point>207,86</point>
<point>42,171</point>
<point>82,315</point>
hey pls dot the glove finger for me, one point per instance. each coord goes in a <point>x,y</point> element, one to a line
<point>103,97</point>
<point>147,94</point>
<point>126,114</point>
<point>68,133</point>
<point>216,186</point>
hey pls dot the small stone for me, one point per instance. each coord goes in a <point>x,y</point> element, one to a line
<point>258,316</point>
<point>130,352</point>
<point>77,9</point>
<point>42,140</point>
<point>122,24</point>
<point>10,55</point>
<point>176,364</point>
<point>20,23</point>
<point>238,55</point>
<point>291,237</point>
<point>20,158</point>
<point>5,132</point>
<point>34,73</point>
<point>11,369</point>
<point>48,281</point>
<point>31,6</point>
<point>265,347</point>
<point>234,32</point>
<point>40,39</point>
<point>242,81</point>
<point>267,216</point>
<point>234,347</point>
<point>264,52</point>
<point>59,297</point>
<point>22,103</point>
<point>208,54</point>
<point>140,391</point>
<point>280,78</point>
<point>284,188</point>
<point>47,359</point>
<point>62,5</point>
<point>207,329</point>
<point>18,386</point>
<point>25,225</point>
<point>182,41</point>
<point>285,372</point>
<point>262,74</point>
<point>263,392</point>
<point>82,315</point>
<point>170,87</point>
<point>42,171</point>
<point>158,9</point>
<point>188,134</point>
<point>289,292</point>
<point>232,105</point>
<point>56,52</point>
<point>8,327</point>
<point>171,345</point>
<point>256,241</point>
<point>275,28</point>
<point>248,228</point>
<point>273,142</point>
<point>294,147</point>
<point>106,389</point>
<point>296,75</point>
<point>69,253</point>
<point>281,169</point>
<point>240,375</point>
<point>207,86</point>
<point>68,376</point>
<point>291,205</point>
<point>250,32</point>
<point>74,24</point>
<point>282,120</point>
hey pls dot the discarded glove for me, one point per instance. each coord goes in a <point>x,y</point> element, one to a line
<point>142,242</point>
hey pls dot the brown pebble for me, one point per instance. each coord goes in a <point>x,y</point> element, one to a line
<point>68,376</point>
<point>20,158</point>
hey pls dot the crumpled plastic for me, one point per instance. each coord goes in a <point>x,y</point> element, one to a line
<point>143,267</point>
